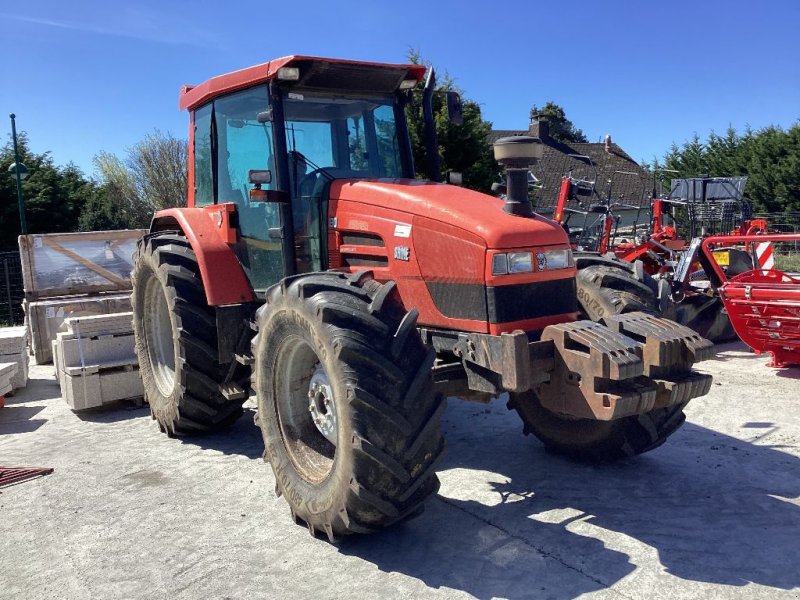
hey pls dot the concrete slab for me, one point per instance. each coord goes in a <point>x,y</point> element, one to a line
<point>130,513</point>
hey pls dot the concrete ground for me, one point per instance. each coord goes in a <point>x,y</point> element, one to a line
<point>130,513</point>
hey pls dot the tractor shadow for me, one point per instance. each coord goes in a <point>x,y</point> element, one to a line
<point>715,509</point>
<point>114,412</point>
<point>243,438</point>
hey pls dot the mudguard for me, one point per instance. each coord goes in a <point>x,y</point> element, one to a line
<point>211,235</point>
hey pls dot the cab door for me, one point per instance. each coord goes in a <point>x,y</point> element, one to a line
<point>244,143</point>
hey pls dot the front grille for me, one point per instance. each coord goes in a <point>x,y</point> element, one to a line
<point>521,301</point>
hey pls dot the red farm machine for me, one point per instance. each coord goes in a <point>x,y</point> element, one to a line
<point>606,284</point>
<point>763,302</point>
<point>311,265</point>
<point>663,254</point>
<point>671,249</point>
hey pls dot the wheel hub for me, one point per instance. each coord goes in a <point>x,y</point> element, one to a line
<point>322,406</point>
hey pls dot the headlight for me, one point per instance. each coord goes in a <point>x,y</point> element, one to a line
<point>554,259</point>
<point>511,263</point>
<point>523,262</point>
<point>520,262</point>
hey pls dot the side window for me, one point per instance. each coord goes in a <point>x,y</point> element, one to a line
<point>242,142</point>
<point>203,181</point>
<point>388,147</point>
<point>357,143</point>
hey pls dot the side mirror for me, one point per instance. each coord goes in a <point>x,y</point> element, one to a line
<point>454,108</point>
<point>259,177</point>
<point>455,178</point>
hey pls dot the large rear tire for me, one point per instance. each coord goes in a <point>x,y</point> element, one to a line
<point>176,340</point>
<point>346,404</point>
<point>594,441</point>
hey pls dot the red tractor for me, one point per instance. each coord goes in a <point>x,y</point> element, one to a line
<point>311,265</point>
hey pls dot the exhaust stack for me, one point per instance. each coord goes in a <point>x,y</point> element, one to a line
<point>517,154</point>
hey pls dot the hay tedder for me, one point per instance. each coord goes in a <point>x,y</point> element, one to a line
<point>763,303</point>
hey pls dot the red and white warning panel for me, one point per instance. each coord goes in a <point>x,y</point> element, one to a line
<point>765,256</point>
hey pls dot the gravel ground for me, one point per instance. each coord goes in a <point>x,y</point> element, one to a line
<point>130,513</point>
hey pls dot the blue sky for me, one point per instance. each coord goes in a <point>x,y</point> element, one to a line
<point>86,76</point>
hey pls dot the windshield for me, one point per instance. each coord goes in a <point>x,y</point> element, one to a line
<point>345,137</point>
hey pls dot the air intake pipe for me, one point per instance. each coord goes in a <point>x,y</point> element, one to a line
<point>517,154</point>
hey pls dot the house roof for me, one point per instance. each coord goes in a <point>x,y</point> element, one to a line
<point>630,183</point>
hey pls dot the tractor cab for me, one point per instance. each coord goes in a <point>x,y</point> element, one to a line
<point>270,139</point>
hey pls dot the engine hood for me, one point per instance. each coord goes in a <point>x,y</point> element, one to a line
<point>479,214</point>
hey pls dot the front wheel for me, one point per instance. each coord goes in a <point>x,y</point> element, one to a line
<point>346,404</point>
<point>595,441</point>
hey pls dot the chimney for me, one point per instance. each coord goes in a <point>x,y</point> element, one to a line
<point>608,143</point>
<point>540,128</point>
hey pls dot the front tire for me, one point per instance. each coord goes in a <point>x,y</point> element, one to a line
<point>176,340</point>
<point>346,404</point>
<point>593,441</point>
<point>606,287</point>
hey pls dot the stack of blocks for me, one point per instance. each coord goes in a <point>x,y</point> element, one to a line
<point>96,361</point>
<point>7,372</point>
<point>13,351</point>
<point>47,317</point>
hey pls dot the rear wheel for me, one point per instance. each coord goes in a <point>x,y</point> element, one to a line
<point>176,340</point>
<point>596,441</point>
<point>346,403</point>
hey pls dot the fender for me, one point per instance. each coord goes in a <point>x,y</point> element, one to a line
<point>211,234</point>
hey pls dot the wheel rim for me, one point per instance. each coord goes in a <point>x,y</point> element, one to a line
<point>306,409</point>
<point>158,336</point>
<point>321,404</point>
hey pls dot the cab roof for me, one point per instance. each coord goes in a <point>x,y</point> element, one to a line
<point>315,73</point>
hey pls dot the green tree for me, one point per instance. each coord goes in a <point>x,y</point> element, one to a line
<point>770,158</point>
<point>54,196</point>
<point>462,148</point>
<point>561,128</point>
